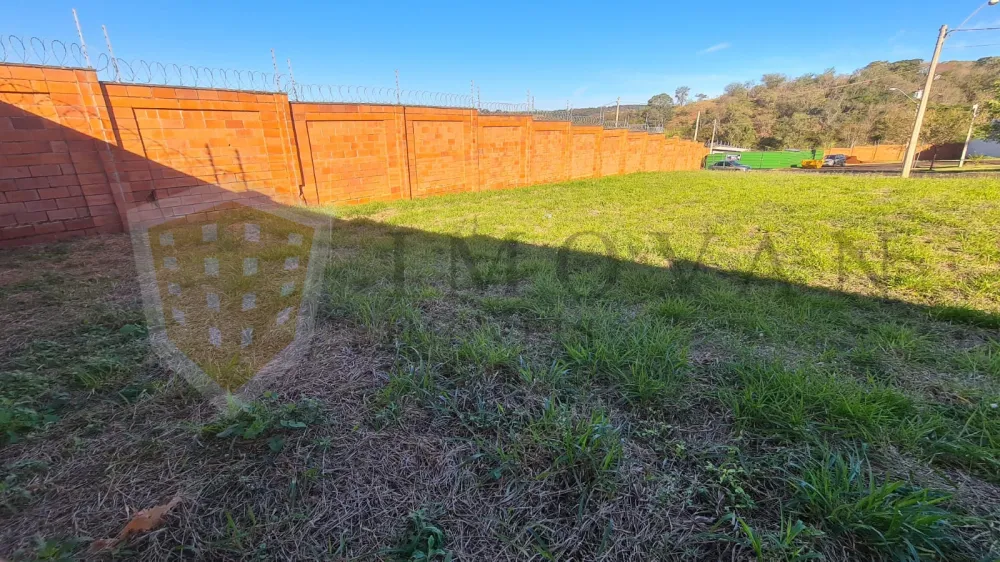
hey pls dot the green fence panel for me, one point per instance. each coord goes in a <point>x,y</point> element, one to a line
<point>768,160</point>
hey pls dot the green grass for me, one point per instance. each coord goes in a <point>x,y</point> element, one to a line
<point>892,520</point>
<point>801,310</point>
<point>637,367</point>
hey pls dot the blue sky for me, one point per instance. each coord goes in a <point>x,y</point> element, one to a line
<point>583,53</point>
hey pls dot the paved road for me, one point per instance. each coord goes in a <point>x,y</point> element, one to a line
<point>942,168</point>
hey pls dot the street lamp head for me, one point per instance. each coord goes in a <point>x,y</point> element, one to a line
<point>993,2</point>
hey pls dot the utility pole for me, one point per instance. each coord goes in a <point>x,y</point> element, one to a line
<point>618,106</point>
<point>697,122</point>
<point>711,147</point>
<point>972,124</point>
<point>911,149</point>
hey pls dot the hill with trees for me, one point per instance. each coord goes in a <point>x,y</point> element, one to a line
<point>875,104</point>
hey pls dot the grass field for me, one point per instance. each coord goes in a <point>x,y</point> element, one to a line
<point>655,366</point>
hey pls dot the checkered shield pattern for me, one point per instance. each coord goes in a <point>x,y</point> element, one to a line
<point>230,291</point>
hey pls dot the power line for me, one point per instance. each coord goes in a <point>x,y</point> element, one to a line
<point>971,46</point>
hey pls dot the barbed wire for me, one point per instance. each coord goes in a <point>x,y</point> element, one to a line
<point>139,71</point>
<point>338,93</point>
<point>47,52</point>
<point>504,107</point>
<point>68,54</point>
<point>605,117</point>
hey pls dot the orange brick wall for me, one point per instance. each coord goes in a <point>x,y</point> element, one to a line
<point>551,144</point>
<point>612,152</point>
<point>503,151</point>
<point>351,153</point>
<point>586,152</point>
<point>77,154</point>
<point>652,159</point>
<point>52,180</point>
<point>872,153</point>
<point>171,140</point>
<point>635,150</point>
<point>442,150</point>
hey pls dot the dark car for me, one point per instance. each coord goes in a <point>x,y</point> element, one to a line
<point>729,166</point>
<point>835,160</point>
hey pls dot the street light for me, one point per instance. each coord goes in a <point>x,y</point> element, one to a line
<point>922,108</point>
<point>968,137</point>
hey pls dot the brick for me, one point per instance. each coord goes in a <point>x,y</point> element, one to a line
<point>27,123</point>
<point>11,208</point>
<point>58,75</point>
<point>94,189</point>
<point>163,92</point>
<point>79,224</point>
<point>61,214</point>
<point>41,205</point>
<point>139,91</point>
<point>48,228</point>
<point>54,193</point>
<point>102,199</point>
<point>31,183</point>
<point>63,180</point>
<point>70,202</point>
<point>46,170</point>
<point>31,218</point>
<point>22,195</point>
<point>26,73</point>
<point>16,232</point>
<point>86,179</point>
<point>66,87</point>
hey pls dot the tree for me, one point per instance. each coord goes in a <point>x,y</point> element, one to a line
<point>945,124</point>
<point>659,108</point>
<point>682,94</point>
<point>770,143</point>
<point>736,125</point>
<point>772,81</point>
<point>735,89</point>
<point>700,97</point>
<point>991,109</point>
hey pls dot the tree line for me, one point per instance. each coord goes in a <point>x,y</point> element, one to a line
<point>875,104</point>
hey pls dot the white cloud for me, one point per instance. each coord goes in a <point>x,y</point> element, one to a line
<point>715,48</point>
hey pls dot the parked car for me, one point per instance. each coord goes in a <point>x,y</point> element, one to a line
<point>835,160</point>
<point>729,166</point>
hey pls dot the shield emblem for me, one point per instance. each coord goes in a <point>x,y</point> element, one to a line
<point>229,289</point>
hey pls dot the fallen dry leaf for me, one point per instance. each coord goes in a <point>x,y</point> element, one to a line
<point>142,522</point>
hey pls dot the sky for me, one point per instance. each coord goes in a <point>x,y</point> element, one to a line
<point>580,54</point>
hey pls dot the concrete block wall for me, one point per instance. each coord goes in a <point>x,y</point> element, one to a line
<point>76,154</point>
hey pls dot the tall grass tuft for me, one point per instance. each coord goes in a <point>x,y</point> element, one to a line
<point>891,519</point>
